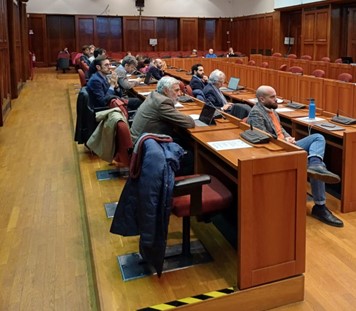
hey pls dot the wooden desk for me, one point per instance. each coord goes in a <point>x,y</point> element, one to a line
<point>271,216</point>
<point>339,156</point>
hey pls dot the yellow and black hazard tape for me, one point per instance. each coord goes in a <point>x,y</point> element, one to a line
<point>189,300</point>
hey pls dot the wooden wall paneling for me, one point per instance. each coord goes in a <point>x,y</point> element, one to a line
<point>253,77</point>
<point>322,38</point>
<point>336,31</point>
<point>209,31</point>
<point>291,23</point>
<point>351,46</point>
<point>109,33</point>
<point>252,39</point>
<point>15,47</point>
<point>308,30</point>
<point>24,40</point>
<point>85,30</point>
<point>167,34</point>
<point>267,30</point>
<point>225,34</point>
<point>277,36</point>
<point>287,85</point>
<point>188,36</point>
<point>242,36</point>
<point>37,23</point>
<point>148,31</point>
<point>131,33</point>
<point>5,87</point>
<point>60,34</point>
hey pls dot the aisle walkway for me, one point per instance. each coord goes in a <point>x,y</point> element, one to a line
<point>44,261</point>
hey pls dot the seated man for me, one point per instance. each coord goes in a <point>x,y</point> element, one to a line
<point>194,53</point>
<point>158,115</point>
<point>231,53</point>
<point>103,86</point>
<point>84,61</point>
<point>127,66</point>
<point>211,54</point>
<point>156,70</point>
<point>215,97</point>
<point>264,117</point>
<point>199,79</point>
<point>92,68</point>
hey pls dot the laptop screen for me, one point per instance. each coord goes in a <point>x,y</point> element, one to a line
<point>233,83</point>
<point>148,78</point>
<point>207,114</point>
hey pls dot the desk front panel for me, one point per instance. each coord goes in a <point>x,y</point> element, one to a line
<point>271,215</point>
<point>271,218</point>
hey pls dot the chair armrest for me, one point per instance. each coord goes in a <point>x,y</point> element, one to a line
<point>188,184</point>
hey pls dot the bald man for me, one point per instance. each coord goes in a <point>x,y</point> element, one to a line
<point>264,116</point>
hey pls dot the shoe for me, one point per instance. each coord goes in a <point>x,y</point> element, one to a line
<point>320,172</point>
<point>325,216</point>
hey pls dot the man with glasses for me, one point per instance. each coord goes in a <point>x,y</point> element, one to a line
<point>103,86</point>
<point>127,67</point>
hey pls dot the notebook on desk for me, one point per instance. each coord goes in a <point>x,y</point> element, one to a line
<point>233,85</point>
<point>206,116</point>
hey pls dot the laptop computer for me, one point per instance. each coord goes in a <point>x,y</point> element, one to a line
<point>149,79</point>
<point>233,85</point>
<point>206,116</point>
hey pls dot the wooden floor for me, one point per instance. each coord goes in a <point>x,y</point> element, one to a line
<point>56,252</point>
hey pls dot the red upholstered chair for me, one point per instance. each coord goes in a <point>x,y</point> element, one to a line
<point>319,73</point>
<point>307,57</point>
<point>239,61</point>
<point>325,59</point>
<point>182,86</point>
<point>264,65</point>
<point>292,56</point>
<point>338,61</point>
<point>251,62</point>
<point>295,69</point>
<point>277,55</point>
<point>345,76</point>
<point>188,90</point>
<point>283,67</point>
<point>198,195</point>
<point>83,81</point>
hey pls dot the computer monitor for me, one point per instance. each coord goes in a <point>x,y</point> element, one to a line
<point>347,59</point>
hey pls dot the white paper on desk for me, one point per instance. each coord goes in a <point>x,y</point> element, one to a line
<point>195,116</point>
<point>284,109</point>
<point>229,144</point>
<point>306,119</point>
<point>178,105</point>
<point>144,93</point>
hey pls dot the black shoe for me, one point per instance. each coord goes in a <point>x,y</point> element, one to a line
<point>321,173</point>
<point>324,215</point>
